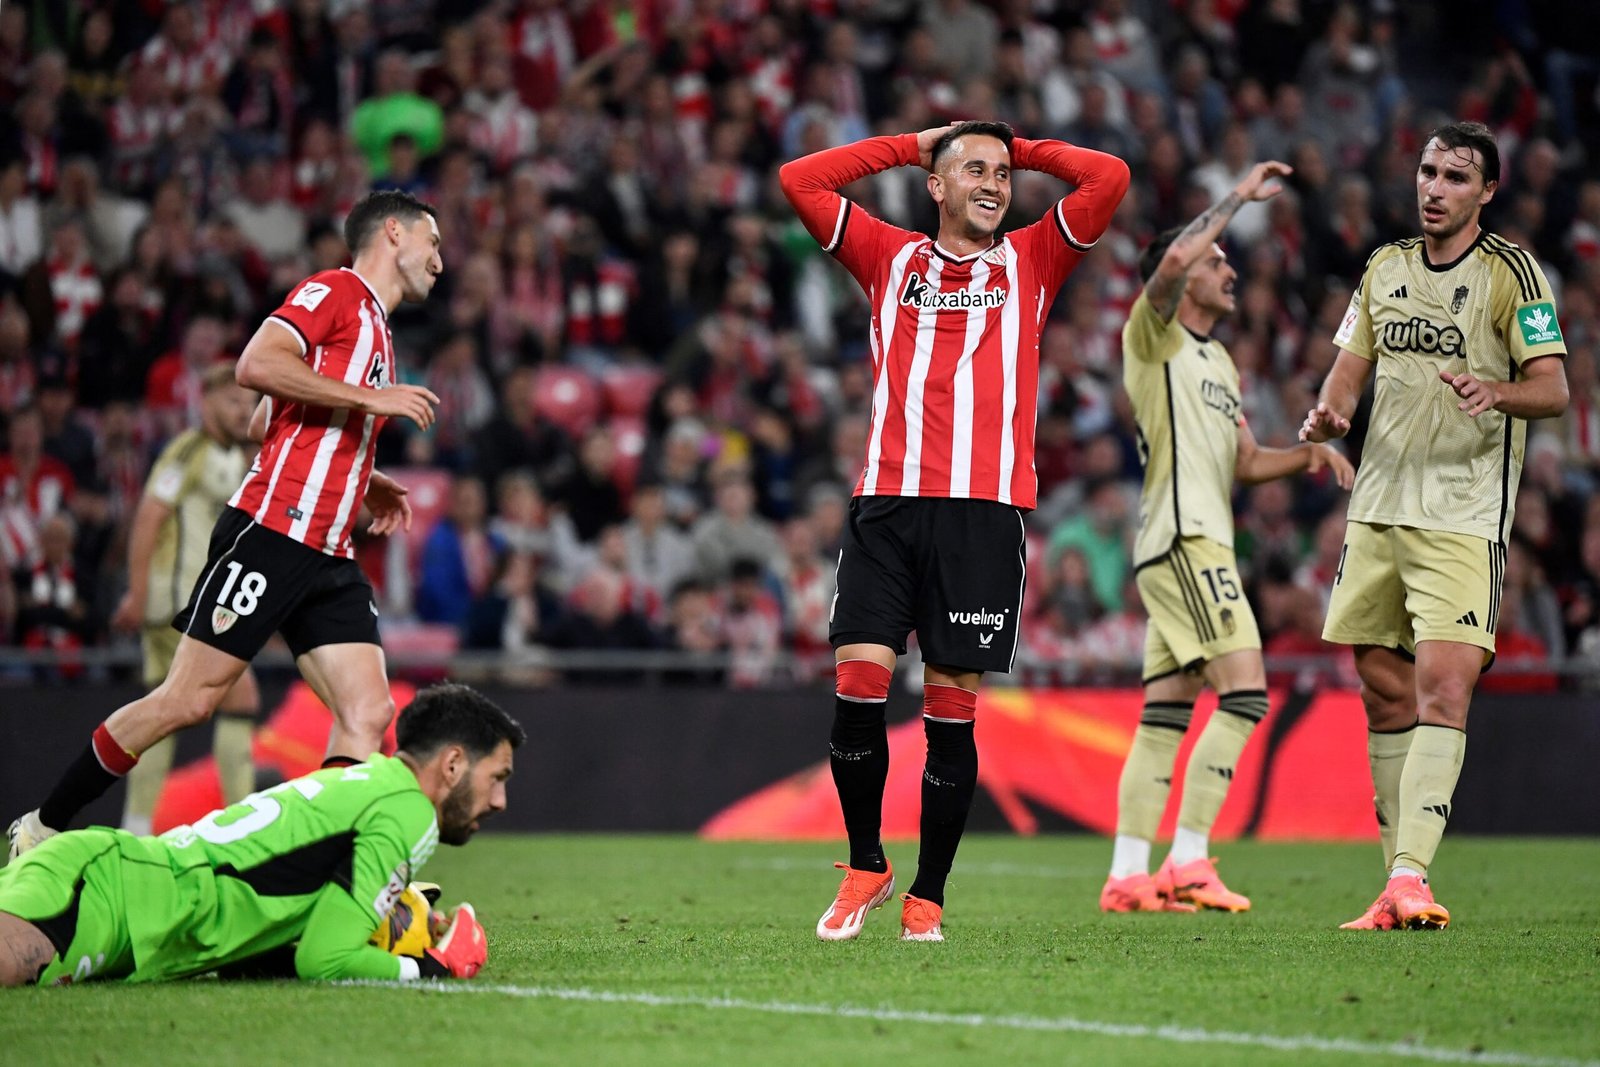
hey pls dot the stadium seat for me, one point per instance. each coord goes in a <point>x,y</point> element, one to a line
<point>430,499</point>
<point>629,390</point>
<point>630,436</point>
<point>567,397</point>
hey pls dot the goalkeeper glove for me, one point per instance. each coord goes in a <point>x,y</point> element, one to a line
<point>461,952</point>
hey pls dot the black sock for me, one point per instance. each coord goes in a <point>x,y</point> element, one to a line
<point>948,783</point>
<point>85,781</point>
<point>858,751</point>
<point>339,761</point>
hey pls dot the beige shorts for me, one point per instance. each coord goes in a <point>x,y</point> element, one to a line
<point>1197,608</point>
<point>1397,585</point>
<point>160,642</point>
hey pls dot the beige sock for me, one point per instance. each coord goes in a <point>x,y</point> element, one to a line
<point>1386,754</point>
<point>144,785</point>
<point>1146,780</point>
<point>1426,785</point>
<point>231,744</point>
<point>1210,769</point>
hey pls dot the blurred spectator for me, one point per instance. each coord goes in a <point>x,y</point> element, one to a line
<point>753,624</point>
<point>1099,531</point>
<point>466,399</point>
<point>516,438</point>
<point>21,238</point>
<point>806,580</point>
<point>459,558</point>
<point>173,388</point>
<point>260,98</point>
<point>266,217</point>
<point>512,615</point>
<point>599,616</point>
<point>62,290</point>
<point>520,522</point>
<point>732,530</point>
<point>589,495</point>
<point>394,108</point>
<point>659,555</point>
<point>51,612</point>
<point>34,487</point>
<point>66,438</point>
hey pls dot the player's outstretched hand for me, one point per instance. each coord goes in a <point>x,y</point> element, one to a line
<point>1323,424</point>
<point>463,950</point>
<point>1259,184</point>
<point>386,499</point>
<point>1477,395</point>
<point>925,142</point>
<point>1330,457</point>
<point>402,401</point>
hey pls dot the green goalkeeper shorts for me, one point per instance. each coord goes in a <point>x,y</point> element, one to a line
<point>70,887</point>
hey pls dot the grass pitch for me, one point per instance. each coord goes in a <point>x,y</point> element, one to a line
<point>669,950</point>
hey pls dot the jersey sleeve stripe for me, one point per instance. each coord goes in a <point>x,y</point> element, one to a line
<point>292,328</point>
<point>1516,260</point>
<point>1066,231</point>
<point>838,227</point>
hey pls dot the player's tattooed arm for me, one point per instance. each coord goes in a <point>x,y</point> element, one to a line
<point>24,951</point>
<point>1165,288</point>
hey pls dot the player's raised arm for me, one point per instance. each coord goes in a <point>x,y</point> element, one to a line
<point>1165,287</point>
<point>1100,181</point>
<point>812,183</point>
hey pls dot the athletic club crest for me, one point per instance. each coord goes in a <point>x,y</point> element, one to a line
<point>1458,300</point>
<point>222,620</point>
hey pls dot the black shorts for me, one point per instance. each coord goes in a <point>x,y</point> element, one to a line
<point>257,580</point>
<point>950,569</point>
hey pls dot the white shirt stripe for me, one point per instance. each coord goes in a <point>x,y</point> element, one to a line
<point>917,381</point>
<point>1010,329</point>
<point>328,446</point>
<point>961,390</point>
<point>283,456</point>
<point>887,314</point>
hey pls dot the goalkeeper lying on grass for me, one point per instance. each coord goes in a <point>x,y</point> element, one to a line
<point>317,863</point>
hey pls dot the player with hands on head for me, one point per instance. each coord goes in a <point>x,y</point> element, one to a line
<point>280,557</point>
<point>935,541</point>
<point>1458,327</point>
<point>303,874</point>
<point>1194,443</point>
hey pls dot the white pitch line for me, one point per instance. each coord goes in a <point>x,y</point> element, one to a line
<point>1182,1035</point>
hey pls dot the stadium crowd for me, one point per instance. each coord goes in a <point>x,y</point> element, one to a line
<point>655,385</point>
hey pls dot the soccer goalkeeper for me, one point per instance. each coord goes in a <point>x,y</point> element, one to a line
<point>316,862</point>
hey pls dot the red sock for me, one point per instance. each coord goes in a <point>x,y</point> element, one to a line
<point>112,756</point>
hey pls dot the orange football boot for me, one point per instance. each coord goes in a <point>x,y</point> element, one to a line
<point>919,919</point>
<point>859,893</point>
<point>1136,892</point>
<point>1414,906</point>
<point>1379,916</point>
<point>1196,883</point>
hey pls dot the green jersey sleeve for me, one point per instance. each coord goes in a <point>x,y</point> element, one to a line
<point>389,850</point>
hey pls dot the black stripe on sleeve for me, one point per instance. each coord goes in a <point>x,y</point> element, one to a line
<point>305,346</point>
<point>1516,261</point>
<point>843,223</point>
<point>1066,234</point>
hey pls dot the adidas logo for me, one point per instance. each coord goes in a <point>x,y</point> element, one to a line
<point>1441,810</point>
<point>1469,619</point>
<point>1399,294</point>
<point>1225,772</point>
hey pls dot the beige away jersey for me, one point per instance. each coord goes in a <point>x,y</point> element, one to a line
<point>1425,463</point>
<point>1185,393</point>
<point>194,476</point>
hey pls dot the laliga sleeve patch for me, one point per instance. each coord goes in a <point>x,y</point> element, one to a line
<point>310,295</point>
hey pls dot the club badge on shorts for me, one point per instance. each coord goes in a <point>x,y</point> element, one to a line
<point>222,620</point>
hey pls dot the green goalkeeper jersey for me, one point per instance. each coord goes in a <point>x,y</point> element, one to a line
<point>318,860</point>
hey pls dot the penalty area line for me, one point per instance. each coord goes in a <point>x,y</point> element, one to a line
<point>1182,1035</point>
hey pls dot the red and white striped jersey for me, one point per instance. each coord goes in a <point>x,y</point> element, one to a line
<point>311,475</point>
<point>955,339</point>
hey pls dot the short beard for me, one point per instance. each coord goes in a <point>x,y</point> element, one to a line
<point>455,814</point>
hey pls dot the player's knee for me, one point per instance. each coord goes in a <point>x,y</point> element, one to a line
<point>190,706</point>
<point>1386,709</point>
<point>370,717</point>
<point>1445,702</point>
